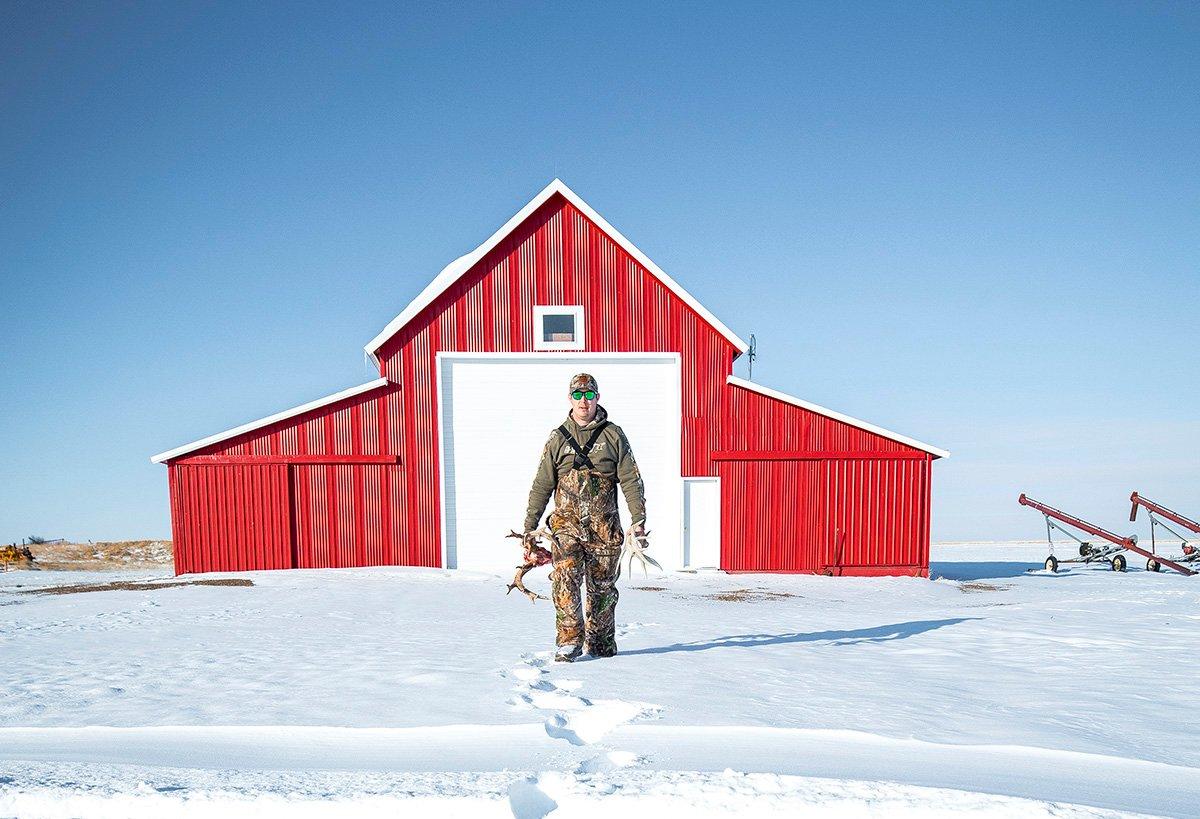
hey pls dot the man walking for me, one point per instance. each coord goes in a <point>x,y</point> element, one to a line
<point>582,462</point>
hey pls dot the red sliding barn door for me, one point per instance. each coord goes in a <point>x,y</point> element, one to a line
<point>231,517</point>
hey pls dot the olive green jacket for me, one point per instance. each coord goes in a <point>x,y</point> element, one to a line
<point>611,455</point>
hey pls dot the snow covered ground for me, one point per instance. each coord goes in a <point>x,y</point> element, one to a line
<point>989,689</point>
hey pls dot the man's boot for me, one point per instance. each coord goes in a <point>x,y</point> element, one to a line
<point>567,654</point>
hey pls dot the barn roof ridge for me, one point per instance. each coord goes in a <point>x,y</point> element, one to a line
<point>455,270</point>
<point>854,422</point>
<point>250,426</point>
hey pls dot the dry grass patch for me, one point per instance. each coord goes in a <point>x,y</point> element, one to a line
<point>974,588</point>
<point>130,585</point>
<point>649,588</point>
<point>101,555</point>
<point>739,595</point>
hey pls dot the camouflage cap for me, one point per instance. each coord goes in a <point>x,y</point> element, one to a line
<point>583,381</point>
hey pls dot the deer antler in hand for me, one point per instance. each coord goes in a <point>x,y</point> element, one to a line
<point>635,546</point>
<point>534,556</point>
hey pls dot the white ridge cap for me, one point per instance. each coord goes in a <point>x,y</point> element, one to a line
<point>453,271</point>
<point>270,419</point>
<point>828,413</point>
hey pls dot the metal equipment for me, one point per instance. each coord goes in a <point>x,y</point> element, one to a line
<point>1188,546</point>
<point>1108,552</point>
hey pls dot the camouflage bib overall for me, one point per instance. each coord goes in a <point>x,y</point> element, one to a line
<point>587,547</point>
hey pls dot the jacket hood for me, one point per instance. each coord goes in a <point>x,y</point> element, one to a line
<point>601,416</point>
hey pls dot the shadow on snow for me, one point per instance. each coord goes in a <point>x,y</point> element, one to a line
<point>981,570</point>
<point>847,637</point>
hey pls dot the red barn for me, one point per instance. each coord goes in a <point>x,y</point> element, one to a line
<point>404,470</point>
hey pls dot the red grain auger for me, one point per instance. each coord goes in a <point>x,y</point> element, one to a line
<point>1109,551</point>
<point>1089,552</point>
<point>1190,553</point>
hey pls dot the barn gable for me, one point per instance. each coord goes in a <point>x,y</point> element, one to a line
<point>560,252</point>
<point>552,283</point>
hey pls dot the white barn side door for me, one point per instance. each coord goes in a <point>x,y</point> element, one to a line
<point>702,523</point>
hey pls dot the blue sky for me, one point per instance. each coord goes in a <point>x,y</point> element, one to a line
<point>975,224</point>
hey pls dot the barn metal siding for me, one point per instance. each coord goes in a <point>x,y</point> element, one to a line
<point>770,515</point>
<point>323,508</point>
<point>230,517</point>
<point>877,515</point>
<point>760,422</point>
<point>831,516</point>
<point>349,427</point>
<point>801,492</point>
<point>343,515</point>
<point>557,256</point>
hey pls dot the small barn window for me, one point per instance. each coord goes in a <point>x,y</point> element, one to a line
<point>558,327</point>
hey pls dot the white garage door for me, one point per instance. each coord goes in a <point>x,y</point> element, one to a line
<point>496,412</point>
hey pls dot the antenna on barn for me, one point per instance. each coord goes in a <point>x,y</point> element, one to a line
<point>752,354</point>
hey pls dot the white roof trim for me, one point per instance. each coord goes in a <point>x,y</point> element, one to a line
<point>263,422</point>
<point>453,271</point>
<point>854,422</point>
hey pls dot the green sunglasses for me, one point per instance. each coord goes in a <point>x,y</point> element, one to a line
<point>589,395</point>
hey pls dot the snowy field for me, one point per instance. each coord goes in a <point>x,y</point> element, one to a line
<point>990,689</point>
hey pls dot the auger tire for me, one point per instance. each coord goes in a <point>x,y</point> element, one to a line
<point>1118,563</point>
<point>1052,564</point>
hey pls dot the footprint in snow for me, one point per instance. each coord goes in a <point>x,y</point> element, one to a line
<point>625,629</point>
<point>528,801</point>
<point>578,720</point>
<point>608,762</point>
<point>584,726</point>
<point>526,673</point>
<point>531,667</point>
<point>555,699</point>
<point>520,701</point>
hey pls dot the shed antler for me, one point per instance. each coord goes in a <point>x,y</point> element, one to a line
<point>635,546</point>
<point>534,556</point>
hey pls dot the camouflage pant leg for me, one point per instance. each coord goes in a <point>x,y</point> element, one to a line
<point>603,563</point>
<point>568,558</point>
